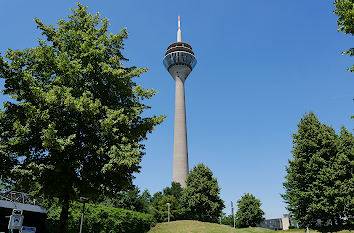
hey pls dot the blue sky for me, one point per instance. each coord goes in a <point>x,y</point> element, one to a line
<point>261,66</point>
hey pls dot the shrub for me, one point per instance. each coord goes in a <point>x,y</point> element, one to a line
<point>103,219</point>
<point>228,220</point>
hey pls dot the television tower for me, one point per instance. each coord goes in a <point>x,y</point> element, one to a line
<point>179,61</point>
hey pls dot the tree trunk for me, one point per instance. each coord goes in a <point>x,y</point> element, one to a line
<point>339,221</point>
<point>64,214</point>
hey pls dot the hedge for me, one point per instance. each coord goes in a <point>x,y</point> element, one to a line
<point>103,219</point>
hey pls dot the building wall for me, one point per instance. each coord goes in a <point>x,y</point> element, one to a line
<point>273,224</point>
<point>286,221</point>
<point>277,223</point>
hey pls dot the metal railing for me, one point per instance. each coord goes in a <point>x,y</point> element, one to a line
<point>19,197</point>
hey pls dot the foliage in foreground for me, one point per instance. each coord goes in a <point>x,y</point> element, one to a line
<point>345,11</point>
<point>249,212</point>
<point>74,126</point>
<point>320,180</point>
<point>201,198</point>
<point>100,218</point>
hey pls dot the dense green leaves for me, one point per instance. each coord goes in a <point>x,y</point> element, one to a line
<point>130,200</point>
<point>249,212</point>
<point>201,197</point>
<point>320,177</point>
<point>74,125</point>
<point>99,218</point>
<point>160,210</point>
<point>175,190</point>
<point>227,220</point>
<point>345,11</point>
<point>200,200</point>
<point>170,195</point>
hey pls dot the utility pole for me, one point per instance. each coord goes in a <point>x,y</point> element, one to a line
<point>232,212</point>
<point>168,206</point>
<point>84,201</point>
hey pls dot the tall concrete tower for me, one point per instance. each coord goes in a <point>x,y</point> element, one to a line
<point>179,61</point>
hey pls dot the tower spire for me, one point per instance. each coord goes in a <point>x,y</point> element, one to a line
<point>179,33</point>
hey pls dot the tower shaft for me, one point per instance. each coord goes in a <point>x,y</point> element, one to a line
<point>180,148</point>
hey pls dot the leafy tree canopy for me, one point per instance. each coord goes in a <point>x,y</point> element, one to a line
<point>74,125</point>
<point>320,178</point>
<point>130,200</point>
<point>173,196</point>
<point>345,11</point>
<point>227,220</point>
<point>201,198</point>
<point>175,190</point>
<point>249,212</point>
<point>156,197</point>
<point>160,210</point>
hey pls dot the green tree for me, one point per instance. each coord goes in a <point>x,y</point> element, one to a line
<point>319,180</point>
<point>159,199</point>
<point>249,212</point>
<point>344,165</point>
<point>145,198</point>
<point>130,200</point>
<point>227,220</point>
<point>201,198</point>
<point>75,122</point>
<point>156,197</point>
<point>345,11</point>
<point>160,210</point>
<point>7,161</point>
<point>175,190</point>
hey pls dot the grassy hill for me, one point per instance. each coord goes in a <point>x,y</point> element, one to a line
<point>189,226</point>
<point>202,227</point>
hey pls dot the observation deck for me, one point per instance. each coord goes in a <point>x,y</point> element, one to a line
<point>179,53</point>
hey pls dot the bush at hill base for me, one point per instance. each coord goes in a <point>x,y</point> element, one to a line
<point>101,219</point>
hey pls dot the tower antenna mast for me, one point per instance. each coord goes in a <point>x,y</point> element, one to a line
<point>179,32</point>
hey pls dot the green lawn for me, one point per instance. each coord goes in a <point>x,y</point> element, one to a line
<point>189,226</point>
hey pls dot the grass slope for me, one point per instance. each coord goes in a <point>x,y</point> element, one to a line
<point>189,226</point>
